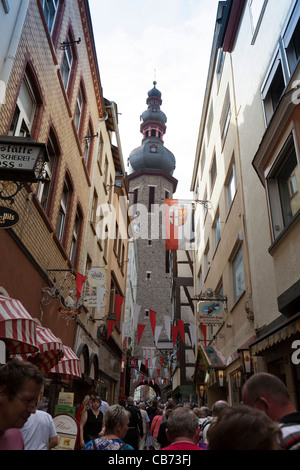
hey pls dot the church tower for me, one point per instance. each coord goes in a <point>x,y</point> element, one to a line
<point>151,180</point>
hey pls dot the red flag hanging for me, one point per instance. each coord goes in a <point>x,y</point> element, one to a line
<point>152,320</point>
<point>179,224</point>
<point>140,332</point>
<point>175,330</point>
<point>80,280</point>
<point>146,364</point>
<point>181,328</point>
<point>110,325</point>
<point>158,372</point>
<point>204,328</point>
<point>161,361</point>
<point>118,305</point>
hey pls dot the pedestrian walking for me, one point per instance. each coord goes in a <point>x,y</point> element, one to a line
<point>135,429</point>
<point>243,428</point>
<point>182,430</point>
<point>39,432</point>
<point>91,423</point>
<point>154,428</point>
<point>145,420</point>
<point>20,387</point>
<point>269,394</point>
<point>116,421</point>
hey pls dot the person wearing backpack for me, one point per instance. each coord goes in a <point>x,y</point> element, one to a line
<point>135,429</point>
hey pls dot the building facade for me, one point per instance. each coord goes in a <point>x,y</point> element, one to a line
<point>234,262</point>
<point>53,97</point>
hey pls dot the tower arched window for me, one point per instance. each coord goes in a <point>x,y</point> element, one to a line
<point>153,149</point>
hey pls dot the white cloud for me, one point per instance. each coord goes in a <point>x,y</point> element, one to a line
<point>133,39</point>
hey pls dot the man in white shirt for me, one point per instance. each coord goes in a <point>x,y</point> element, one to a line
<point>39,432</point>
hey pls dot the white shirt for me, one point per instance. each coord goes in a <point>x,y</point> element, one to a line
<point>38,430</point>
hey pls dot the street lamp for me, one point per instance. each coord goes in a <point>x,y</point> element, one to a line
<point>246,359</point>
<point>221,377</point>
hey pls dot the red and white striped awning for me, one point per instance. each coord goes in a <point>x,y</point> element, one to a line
<point>69,366</point>
<point>50,350</point>
<point>17,327</point>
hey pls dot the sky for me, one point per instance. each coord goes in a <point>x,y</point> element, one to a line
<point>169,41</point>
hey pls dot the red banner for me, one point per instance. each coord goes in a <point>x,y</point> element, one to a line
<point>80,280</point>
<point>179,224</point>
<point>110,325</point>
<point>181,328</point>
<point>175,330</point>
<point>152,320</point>
<point>118,305</point>
<point>203,329</point>
<point>140,332</point>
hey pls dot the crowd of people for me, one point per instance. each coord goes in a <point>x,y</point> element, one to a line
<point>265,420</point>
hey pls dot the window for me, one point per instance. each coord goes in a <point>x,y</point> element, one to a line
<point>283,64</point>
<point>238,276</point>
<point>50,8</point>
<point>291,39</point>
<point>225,117</point>
<point>153,149</point>
<point>220,64</point>
<point>25,110</point>
<point>217,230</point>
<point>231,187</point>
<point>79,109</point>
<point>148,275</point>
<point>200,281</point>
<point>64,202</point>
<point>75,237</point>
<point>151,197</point>
<point>257,8</point>
<point>207,258</point>
<point>205,206</point>
<point>135,196</point>
<point>273,88</point>
<point>67,63</point>
<point>94,208</point>
<point>100,152</point>
<point>44,189</point>
<point>209,120</point>
<point>87,146</point>
<point>203,156</point>
<point>283,188</point>
<point>213,172</point>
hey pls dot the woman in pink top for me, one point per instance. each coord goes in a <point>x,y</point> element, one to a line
<point>154,428</point>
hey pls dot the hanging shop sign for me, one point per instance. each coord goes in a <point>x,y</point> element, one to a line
<point>21,159</point>
<point>94,292</point>
<point>210,312</point>
<point>8,217</point>
<point>97,276</point>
